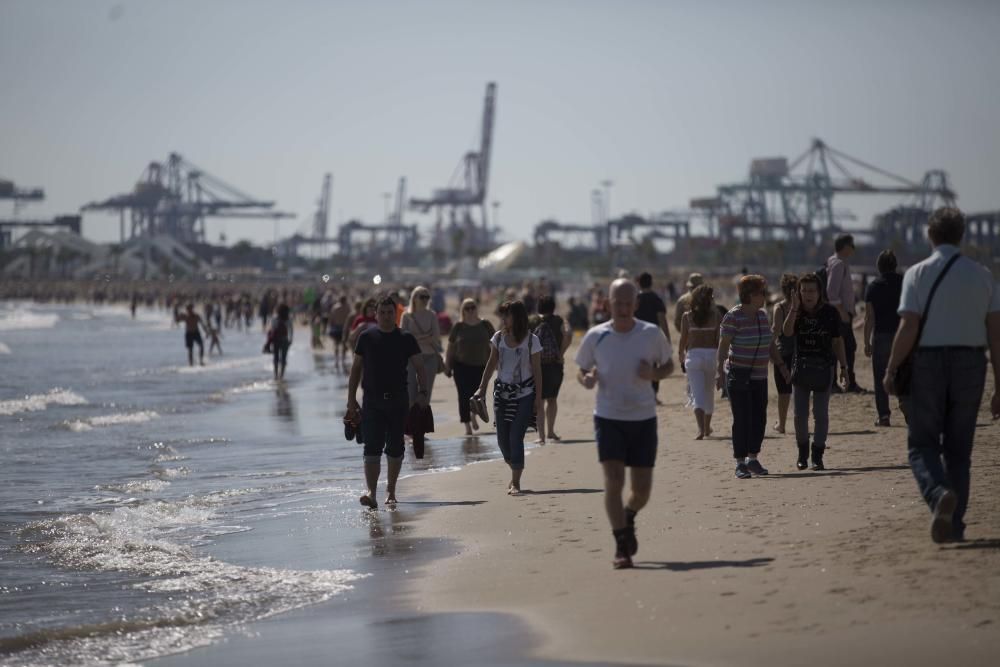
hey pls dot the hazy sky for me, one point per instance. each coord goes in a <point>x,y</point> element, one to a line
<point>668,99</point>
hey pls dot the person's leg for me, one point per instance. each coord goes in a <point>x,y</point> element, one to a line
<point>881,349</point>
<point>784,400</point>
<point>699,418</point>
<point>525,407</point>
<point>708,379</point>
<point>928,399</point>
<point>851,348</point>
<point>284,359</point>
<point>430,372</point>
<point>698,390</point>
<point>758,416</point>
<point>821,416</point>
<point>276,355</point>
<point>800,397</point>
<point>642,487</point>
<point>967,370</point>
<point>411,384</point>
<point>503,434</point>
<point>739,403</point>
<point>551,410</point>
<point>614,484</point>
<point>373,425</point>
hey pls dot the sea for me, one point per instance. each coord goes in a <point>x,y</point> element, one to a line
<point>149,507</point>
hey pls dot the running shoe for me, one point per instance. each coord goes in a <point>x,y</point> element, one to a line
<point>742,472</point>
<point>754,466</point>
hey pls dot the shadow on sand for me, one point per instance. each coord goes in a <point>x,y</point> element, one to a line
<point>557,492</point>
<point>983,543</point>
<point>677,566</point>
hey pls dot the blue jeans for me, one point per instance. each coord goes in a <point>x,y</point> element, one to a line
<point>821,415</point>
<point>881,349</point>
<point>510,435</point>
<point>749,406</point>
<point>945,394</point>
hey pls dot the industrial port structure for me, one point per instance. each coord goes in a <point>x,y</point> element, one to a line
<point>782,213</point>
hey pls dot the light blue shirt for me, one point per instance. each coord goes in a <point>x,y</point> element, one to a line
<point>958,312</point>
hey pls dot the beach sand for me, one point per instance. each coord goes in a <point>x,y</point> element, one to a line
<point>821,568</point>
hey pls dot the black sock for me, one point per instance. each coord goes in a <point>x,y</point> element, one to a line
<point>630,518</point>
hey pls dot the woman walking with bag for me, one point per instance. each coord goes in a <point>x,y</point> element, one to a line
<point>818,347</point>
<point>744,344</point>
<point>696,352</point>
<point>422,322</point>
<point>515,353</point>
<point>465,361</point>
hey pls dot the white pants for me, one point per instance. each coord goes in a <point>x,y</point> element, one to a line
<point>700,365</point>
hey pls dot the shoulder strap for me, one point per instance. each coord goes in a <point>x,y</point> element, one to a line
<point>930,297</point>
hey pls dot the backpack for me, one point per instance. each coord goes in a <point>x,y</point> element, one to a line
<point>823,276</point>
<point>551,341</point>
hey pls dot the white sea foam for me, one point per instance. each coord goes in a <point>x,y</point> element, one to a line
<point>206,595</point>
<point>4,349</point>
<point>22,318</point>
<point>91,423</point>
<point>38,402</point>
<point>135,486</point>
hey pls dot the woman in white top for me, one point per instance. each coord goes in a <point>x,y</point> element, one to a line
<point>696,351</point>
<point>422,322</point>
<point>516,355</point>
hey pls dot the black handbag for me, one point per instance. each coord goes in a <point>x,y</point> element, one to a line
<point>812,373</point>
<point>904,373</point>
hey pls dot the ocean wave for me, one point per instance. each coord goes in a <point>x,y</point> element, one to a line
<point>210,367</point>
<point>21,319</point>
<point>91,423</point>
<point>135,486</point>
<point>202,596</point>
<point>38,402</point>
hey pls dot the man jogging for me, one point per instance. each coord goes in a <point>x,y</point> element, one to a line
<point>622,358</point>
<point>381,357</point>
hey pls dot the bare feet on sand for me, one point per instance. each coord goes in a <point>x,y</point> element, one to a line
<point>368,500</point>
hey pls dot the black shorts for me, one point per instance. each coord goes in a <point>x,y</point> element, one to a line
<point>383,421</point>
<point>337,333</point>
<point>784,388</point>
<point>552,379</point>
<point>190,338</point>
<point>633,442</point>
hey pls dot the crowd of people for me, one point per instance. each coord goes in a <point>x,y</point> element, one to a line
<point>932,358</point>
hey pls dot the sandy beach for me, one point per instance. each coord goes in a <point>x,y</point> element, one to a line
<point>825,568</point>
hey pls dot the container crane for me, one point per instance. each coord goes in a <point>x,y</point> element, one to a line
<point>468,187</point>
<point>174,199</point>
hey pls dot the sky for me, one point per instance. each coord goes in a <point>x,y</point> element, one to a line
<point>665,99</point>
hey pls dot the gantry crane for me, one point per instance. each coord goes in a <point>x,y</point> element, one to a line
<point>175,197</point>
<point>467,189</point>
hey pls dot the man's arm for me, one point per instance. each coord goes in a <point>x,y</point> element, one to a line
<point>354,382</point>
<point>834,286</point>
<point>679,312</point>
<point>421,374</point>
<point>723,354</point>
<point>841,353</point>
<point>869,327</point>
<point>993,335</point>
<point>902,345</point>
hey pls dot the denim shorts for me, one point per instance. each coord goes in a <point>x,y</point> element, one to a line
<point>633,442</point>
<point>383,421</point>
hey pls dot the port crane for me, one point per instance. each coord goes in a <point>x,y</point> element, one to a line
<point>393,236</point>
<point>794,201</point>
<point>21,196</point>
<point>467,190</point>
<point>175,197</point>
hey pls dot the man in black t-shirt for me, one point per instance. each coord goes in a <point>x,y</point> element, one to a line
<point>381,357</point>
<point>650,308</point>
<point>881,322</point>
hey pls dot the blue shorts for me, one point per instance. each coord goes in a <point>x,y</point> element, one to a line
<point>632,442</point>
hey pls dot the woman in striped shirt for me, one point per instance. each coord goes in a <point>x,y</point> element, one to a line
<point>744,351</point>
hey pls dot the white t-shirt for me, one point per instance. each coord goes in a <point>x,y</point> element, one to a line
<point>514,364</point>
<point>621,393</point>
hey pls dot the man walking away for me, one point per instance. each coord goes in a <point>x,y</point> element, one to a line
<point>381,356</point>
<point>622,357</point>
<point>949,368</point>
<point>840,291</point>
<point>881,322</point>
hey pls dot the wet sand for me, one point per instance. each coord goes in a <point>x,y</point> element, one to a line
<point>825,568</point>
